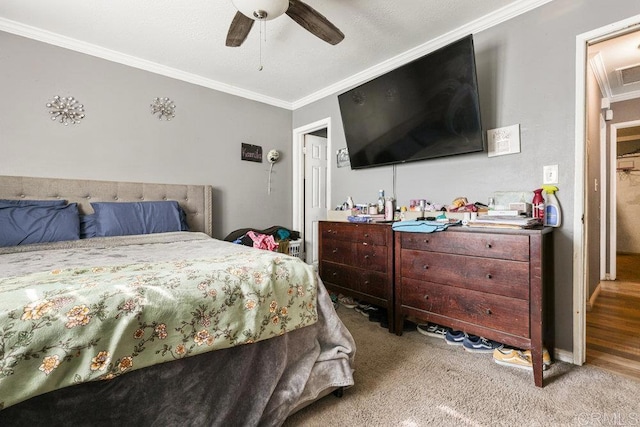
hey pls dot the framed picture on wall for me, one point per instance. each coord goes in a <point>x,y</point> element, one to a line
<point>342,158</point>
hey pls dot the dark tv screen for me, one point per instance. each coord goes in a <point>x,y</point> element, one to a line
<point>425,109</point>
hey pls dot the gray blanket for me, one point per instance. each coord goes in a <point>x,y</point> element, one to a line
<point>249,385</point>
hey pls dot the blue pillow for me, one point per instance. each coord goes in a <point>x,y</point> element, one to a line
<point>21,225</point>
<point>87,226</point>
<point>127,218</point>
<point>25,202</point>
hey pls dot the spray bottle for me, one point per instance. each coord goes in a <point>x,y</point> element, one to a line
<point>552,212</point>
<point>538,204</point>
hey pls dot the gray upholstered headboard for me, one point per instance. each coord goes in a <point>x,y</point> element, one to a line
<point>196,200</point>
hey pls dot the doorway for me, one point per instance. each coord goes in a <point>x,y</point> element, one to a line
<point>311,182</point>
<point>603,238</point>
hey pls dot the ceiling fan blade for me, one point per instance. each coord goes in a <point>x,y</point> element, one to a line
<point>314,22</point>
<point>239,30</point>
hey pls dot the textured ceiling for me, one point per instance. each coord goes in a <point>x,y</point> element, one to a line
<point>610,58</point>
<point>186,39</point>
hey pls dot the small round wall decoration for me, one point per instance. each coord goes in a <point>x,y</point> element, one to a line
<point>65,110</point>
<point>164,108</point>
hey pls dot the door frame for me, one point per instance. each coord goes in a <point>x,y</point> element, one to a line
<point>297,151</point>
<point>579,208</point>
<point>613,195</point>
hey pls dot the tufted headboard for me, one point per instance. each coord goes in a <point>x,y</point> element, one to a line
<point>196,200</point>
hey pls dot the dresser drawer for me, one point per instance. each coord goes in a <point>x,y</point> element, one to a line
<point>372,283</point>
<point>371,257</point>
<point>496,276</point>
<point>337,274</point>
<point>370,234</point>
<point>503,246</point>
<point>339,251</point>
<point>497,312</point>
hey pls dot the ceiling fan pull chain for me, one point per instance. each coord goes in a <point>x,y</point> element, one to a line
<point>262,24</point>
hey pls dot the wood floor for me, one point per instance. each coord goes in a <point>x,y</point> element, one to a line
<point>613,324</point>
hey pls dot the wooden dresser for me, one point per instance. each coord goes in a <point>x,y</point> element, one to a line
<point>356,259</point>
<point>491,283</point>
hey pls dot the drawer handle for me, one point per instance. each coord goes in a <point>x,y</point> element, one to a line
<point>366,257</point>
<point>489,245</point>
<point>488,311</point>
<point>366,234</point>
<point>426,240</point>
<point>426,297</point>
<point>334,274</point>
<point>366,282</point>
<point>489,276</point>
<point>335,250</point>
<point>425,267</point>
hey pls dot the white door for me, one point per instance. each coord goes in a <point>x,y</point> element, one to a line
<point>315,192</point>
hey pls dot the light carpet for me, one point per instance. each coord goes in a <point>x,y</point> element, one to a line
<point>413,381</point>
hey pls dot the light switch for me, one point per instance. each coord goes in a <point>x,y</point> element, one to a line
<point>550,174</point>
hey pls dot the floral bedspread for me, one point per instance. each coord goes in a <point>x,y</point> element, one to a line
<point>104,307</point>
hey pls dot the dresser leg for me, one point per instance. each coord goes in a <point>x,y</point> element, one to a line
<point>399,323</point>
<point>536,359</point>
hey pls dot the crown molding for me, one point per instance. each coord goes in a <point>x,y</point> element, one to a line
<point>487,21</point>
<point>132,61</point>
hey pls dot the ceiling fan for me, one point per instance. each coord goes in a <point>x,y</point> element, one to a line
<point>250,11</point>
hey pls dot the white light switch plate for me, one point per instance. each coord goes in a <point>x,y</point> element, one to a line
<point>550,174</point>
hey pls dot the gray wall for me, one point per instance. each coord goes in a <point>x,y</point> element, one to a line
<point>120,140</point>
<point>527,74</point>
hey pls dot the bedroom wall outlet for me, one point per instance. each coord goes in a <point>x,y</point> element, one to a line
<point>550,174</point>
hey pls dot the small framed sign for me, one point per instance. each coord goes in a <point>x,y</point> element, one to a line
<point>251,153</point>
<point>342,158</point>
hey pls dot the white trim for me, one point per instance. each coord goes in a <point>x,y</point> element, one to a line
<point>298,169</point>
<point>563,356</point>
<point>579,255</point>
<point>579,276</point>
<point>501,15</point>
<point>594,297</point>
<point>602,188</point>
<point>132,61</point>
<point>504,14</point>
<point>613,195</point>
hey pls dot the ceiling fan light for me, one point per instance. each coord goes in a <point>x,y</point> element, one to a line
<point>253,8</point>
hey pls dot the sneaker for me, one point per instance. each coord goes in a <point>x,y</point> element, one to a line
<point>347,301</point>
<point>363,309</point>
<point>455,337</point>
<point>475,344</point>
<point>376,314</point>
<point>512,357</point>
<point>546,357</point>
<point>432,330</point>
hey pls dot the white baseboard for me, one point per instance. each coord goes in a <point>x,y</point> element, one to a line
<point>592,299</point>
<point>563,355</point>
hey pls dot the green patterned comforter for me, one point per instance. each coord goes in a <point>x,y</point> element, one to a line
<point>103,307</point>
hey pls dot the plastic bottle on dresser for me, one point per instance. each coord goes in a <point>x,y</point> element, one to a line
<point>538,204</point>
<point>389,209</point>
<point>552,212</point>
<point>350,202</point>
<point>381,201</point>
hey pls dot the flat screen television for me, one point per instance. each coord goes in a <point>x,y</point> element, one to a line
<point>425,109</point>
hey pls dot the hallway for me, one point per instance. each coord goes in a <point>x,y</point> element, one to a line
<point>613,325</point>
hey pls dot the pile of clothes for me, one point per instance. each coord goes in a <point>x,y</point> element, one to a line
<point>275,238</point>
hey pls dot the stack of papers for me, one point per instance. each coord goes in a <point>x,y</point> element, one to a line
<point>501,221</point>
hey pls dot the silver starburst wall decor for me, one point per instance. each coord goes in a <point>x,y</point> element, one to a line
<point>164,108</point>
<point>65,110</point>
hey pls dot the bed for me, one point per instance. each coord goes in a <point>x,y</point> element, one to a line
<point>159,328</point>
